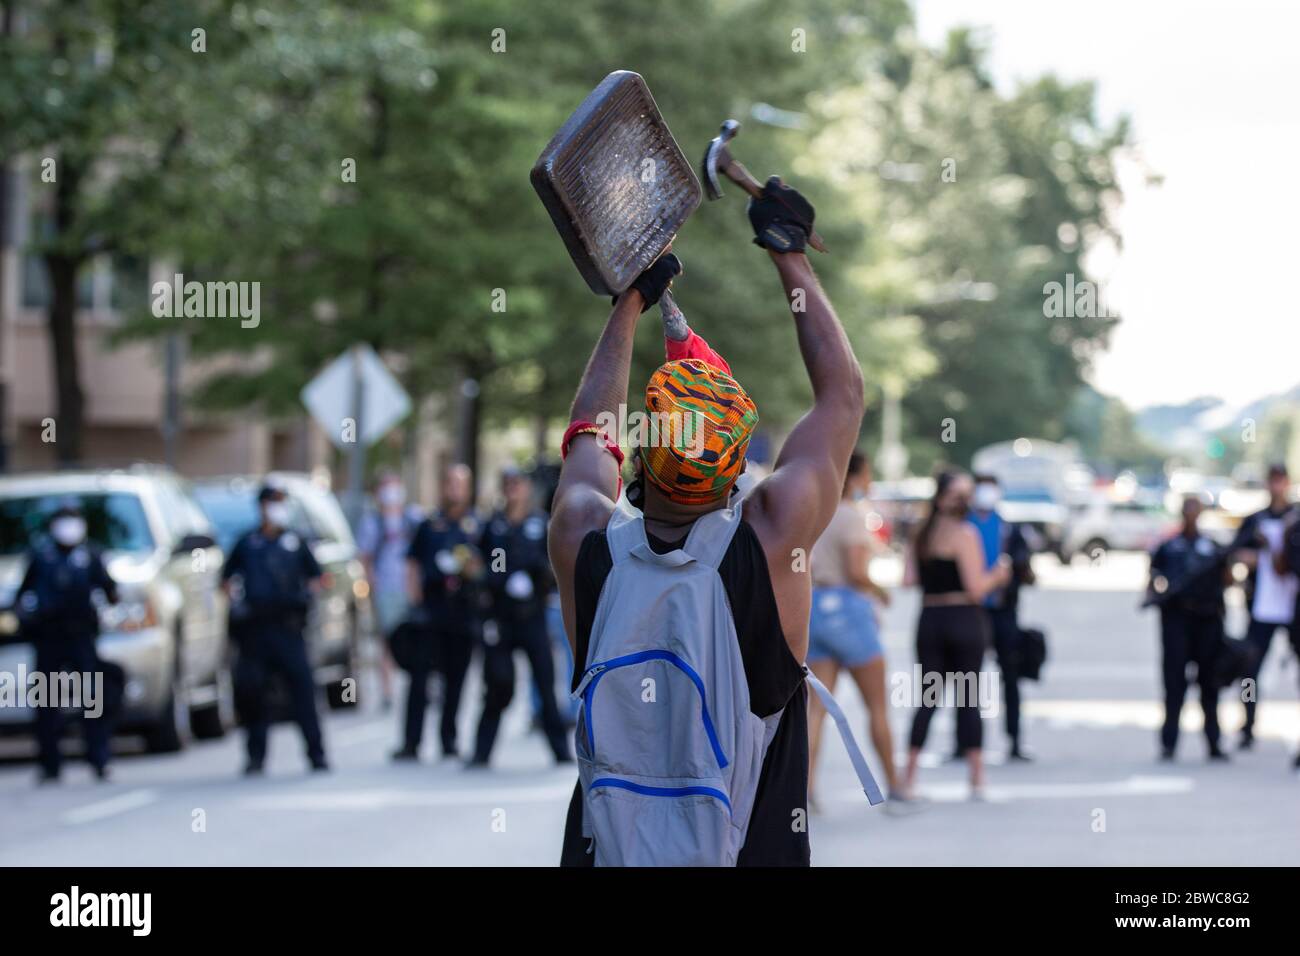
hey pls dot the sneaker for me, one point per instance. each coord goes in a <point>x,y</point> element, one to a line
<point>1018,755</point>
<point>1247,741</point>
<point>47,777</point>
<point>1217,754</point>
<point>405,754</point>
<point>102,774</point>
<point>476,764</point>
<point>979,794</point>
<point>253,770</point>
<point>320,765</point>
<point>1167,755</point>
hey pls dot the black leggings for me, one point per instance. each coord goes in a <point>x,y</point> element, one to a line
<point>950,642</point>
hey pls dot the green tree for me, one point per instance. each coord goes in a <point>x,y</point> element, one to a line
<point>98,95</point>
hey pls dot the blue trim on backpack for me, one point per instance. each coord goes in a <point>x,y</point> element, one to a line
<point>601,669</point>
<point>661,791</point>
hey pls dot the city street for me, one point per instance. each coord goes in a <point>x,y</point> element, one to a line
<point>1096,795</point>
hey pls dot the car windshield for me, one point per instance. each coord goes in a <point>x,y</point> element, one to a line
<point>115,521</point>
<point>231,509</point>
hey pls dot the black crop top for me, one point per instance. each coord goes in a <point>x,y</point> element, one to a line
<point>939,576</point>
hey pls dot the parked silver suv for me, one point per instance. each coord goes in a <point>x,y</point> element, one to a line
<point>168,631</point>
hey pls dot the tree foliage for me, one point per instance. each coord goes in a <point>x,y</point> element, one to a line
<point>442,126</point>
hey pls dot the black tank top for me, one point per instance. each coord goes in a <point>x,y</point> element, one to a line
<point>939,576</point>
<point>775,681</point>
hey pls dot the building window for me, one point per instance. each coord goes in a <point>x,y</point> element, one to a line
<point>119,285</point>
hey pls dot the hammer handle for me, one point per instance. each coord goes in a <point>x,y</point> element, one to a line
<point>742,177</point>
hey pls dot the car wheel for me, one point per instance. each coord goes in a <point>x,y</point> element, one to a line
<point>211,721</point>
<point>171,732</point>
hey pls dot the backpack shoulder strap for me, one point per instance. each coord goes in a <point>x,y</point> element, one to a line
<point>711,535</point>
<point>706,543</point>
<point>625,532</point>
<point>869,785</point>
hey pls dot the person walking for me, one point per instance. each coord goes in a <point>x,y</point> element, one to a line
<point>383,540</point>
<point>952,633</point>
<point>844,627</point>
<point>1188,574</point>
<point>518,579</point>
<point>270,577</point>
<point>444,569</point>
<point>998,538</point>
<point>57,604</point>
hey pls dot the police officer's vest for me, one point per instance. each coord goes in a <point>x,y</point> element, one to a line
<point>60,602</point>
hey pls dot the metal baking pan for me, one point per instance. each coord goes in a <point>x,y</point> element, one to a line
<point>615,183</point>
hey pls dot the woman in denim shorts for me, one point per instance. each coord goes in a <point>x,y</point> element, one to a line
<point>844,628</point>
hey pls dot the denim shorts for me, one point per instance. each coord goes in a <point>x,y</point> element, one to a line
<point>843,627</point>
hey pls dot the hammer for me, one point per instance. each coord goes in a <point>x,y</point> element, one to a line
<point>718,159</point>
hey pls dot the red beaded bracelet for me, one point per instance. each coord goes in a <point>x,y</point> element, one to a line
<point>590,428</point>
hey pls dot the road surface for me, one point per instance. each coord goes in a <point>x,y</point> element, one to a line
<point>1095,795</point>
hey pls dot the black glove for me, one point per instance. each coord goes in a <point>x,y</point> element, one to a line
<point>782,218</point>
<point>654,281</point>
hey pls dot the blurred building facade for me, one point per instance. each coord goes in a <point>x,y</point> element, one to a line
<point>128,389</point>
<point>126,386</point>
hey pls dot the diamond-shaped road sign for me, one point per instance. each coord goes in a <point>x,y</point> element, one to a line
<point>330,397</point>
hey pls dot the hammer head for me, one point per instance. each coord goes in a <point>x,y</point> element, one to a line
<point>717,157</point>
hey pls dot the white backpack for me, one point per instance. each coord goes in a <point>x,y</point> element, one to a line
<point>669,752</point>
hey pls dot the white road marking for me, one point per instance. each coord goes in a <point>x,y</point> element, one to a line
<point>385,798</point>
<point>132,800</point>
<point>381,798</point>
<point>959,792</point>
<point>1277,719</point>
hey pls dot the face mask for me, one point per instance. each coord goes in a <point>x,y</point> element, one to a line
<point>986,497</point>
<point>277,513</point>
<point>68,531</point>
<point>392,496</point>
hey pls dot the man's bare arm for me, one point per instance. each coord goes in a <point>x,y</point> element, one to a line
<point>798,499</point>
<point>584,496</point>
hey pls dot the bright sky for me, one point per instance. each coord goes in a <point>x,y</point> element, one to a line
<point>1206,277</point>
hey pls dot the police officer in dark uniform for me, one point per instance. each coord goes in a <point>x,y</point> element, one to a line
<point>57,609</point>
<point>1188,575</point>
<point>445,568</point>
<point>518,580</point>
<point>1288,562</point>
<point>269,576</point>
<point>1000,537</point>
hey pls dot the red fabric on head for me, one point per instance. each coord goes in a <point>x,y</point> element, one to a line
<point>694,347</point>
